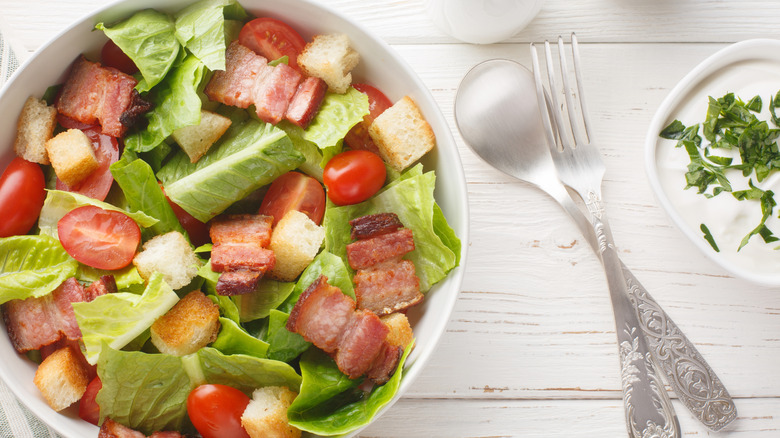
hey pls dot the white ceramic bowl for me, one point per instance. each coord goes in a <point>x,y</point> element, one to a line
<point>379,65</point>
<point>747,69</point>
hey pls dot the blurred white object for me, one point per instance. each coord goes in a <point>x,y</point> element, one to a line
<point>482,21</point>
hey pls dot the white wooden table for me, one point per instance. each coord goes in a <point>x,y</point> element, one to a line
<point>530,350</point>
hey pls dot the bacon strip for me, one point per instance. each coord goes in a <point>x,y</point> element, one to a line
<point>227,257</point>
<point>241,228</point>
<point>365,253</point>
<point>239,252</point>
<point>104,285</point>
<point>273,94</point>
<point>307,101</point>
<point>112,429</point>
<point>356,339</point>
<point>366,227</point>
<point>36,322</point>
<point>388,287</point>
<point>96,94</point>
<point>235,85</point>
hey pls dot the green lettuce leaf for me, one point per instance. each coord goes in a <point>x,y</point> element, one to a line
<point>125,278</point>
<point>200,28</point>
<point>283,345</point>
<point>32,266</point>
<point>176,105</point>
<point>250,155</point>
<point>330,403</point>
<point>233,339</point>
<point>148,39</point>
<point>411,198</point>
<point>58,203</point>
<point>258,304</point>
<point>150,395</point>
<point>116,319</point>
<point>246,373</point>
<point>143,193</point>
<point>327,264</point>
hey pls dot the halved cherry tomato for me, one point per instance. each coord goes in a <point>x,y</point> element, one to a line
<point>354,176</point>
<point>21,197</point>
<point>89,410</point>
<point>215,410</point>
<point>357,137</point>
<point>197,230</point>
<point>272,39</point>
<point>103,239</point>
<point>112,56</point>
<point>294,191</point>
<point>98,183</point>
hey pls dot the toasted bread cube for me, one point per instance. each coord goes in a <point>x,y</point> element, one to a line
<point>172,256</point>
<point>189,326</point>
<point>62,378</point>
<point>72,156</point>
<point>35,127</point>
<point>330,58</point>
<point>295,241</point>
<point>402,134</point>
<point>400,334</point>
<point>197,139</point>
<point>266,414</point>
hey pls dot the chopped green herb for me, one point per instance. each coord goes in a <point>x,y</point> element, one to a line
<point>708,237</point>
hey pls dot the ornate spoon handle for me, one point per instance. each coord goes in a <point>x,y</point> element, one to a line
<point>696,385</point>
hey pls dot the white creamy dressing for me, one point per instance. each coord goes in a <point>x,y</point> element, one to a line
<point>728,219</point>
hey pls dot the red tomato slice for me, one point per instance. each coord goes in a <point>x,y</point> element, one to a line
<point>98,183</point>
<point>354,176</point>
<point>112,56</point>
<point>272,39</point>
<point>99,238</point>
<point>215,410</point>
<point>294,191</point>
<point>357,137</point>
<point>21,197</point>
<point>197,230</point>
<point>89,410</point>
<point>68,123</point>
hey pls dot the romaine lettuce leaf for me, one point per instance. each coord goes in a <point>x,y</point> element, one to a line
<point>200,28</point>
<point>258,304</point>
<point>148,39</point>
<point>116,319</point>
<point>176,105</point>
<point>125,277</point>
<point>282,344</point>
<point>246,373</point>
<point>143,193</point>
<point>58,203</point>
<point>330,403</point>
<point>147,392</point>
<point>233,339</point>
<point>411,198</point>
<point>32,266</point>
<point>250,155</point>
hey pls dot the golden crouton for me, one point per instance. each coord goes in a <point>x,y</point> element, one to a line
<point>266,414</point>
<point>189,326</point>
<point>35,127</point>
<point>400,334</point>
<point>72,156</point>
<point>402,134</point>
<point>172,256</point>
<point>62,378</point>
<point>330,58</point>
<point>197,139</point>
<point>295,241</point>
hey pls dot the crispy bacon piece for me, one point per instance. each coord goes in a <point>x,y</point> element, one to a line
<point>235,85</point>
<point>138,107</point>
<point>112,429</point>
<point>307,101</point>
<point>365,253</point>
<point>227,257</point>
<point>273,94</point>
<point>356,339</point>
<point>238,282</point>
<point>241,228</point>
<point>104,285</point>
<point>96,94</point>
<point>385,363</point>
<point>321,314</point>
<point>387,287</point>
<point>37,322</point>
<point>366,227</point>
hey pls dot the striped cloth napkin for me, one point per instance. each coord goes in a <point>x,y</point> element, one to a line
<point>16,421</point>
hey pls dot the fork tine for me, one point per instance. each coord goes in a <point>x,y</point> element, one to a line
<point>578,74</point>
<point>571,109</point>
<point>549,131</point>
<point>563,135</point>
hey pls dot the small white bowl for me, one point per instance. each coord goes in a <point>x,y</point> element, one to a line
<point>379,65</point>
<point>747,69</point>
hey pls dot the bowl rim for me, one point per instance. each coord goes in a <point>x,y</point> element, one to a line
<point>458,216</point>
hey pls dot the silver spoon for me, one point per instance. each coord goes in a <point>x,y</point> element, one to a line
<point>498,116</point>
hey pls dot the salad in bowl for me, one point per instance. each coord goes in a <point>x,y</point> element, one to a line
<point>225,219</point>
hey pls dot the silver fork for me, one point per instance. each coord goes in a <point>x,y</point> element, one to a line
<point>580,167</point>
<point>648,409</point>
